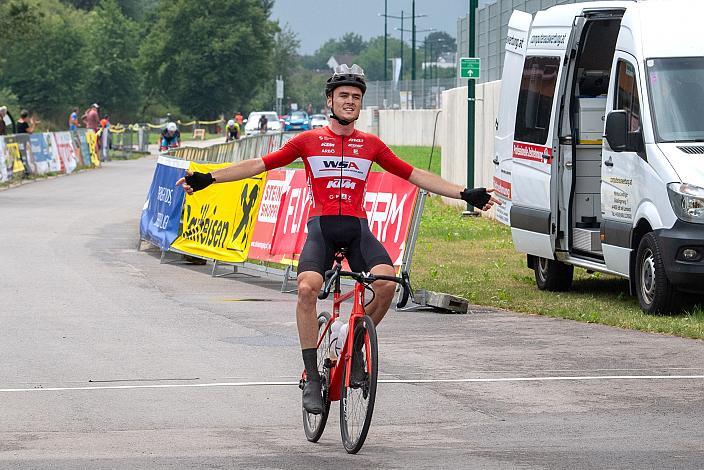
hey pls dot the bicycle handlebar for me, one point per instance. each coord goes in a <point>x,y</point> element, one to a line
<point>331,276</point>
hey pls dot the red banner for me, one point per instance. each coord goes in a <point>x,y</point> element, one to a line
<point>389,203</point>
<point>533,153</point>
<point>277,184</point>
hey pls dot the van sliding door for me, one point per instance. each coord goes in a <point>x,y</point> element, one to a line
<point>535,144</point>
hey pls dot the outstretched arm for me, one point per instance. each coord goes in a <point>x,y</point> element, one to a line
<point>235,172</point>
<point>435,184</point>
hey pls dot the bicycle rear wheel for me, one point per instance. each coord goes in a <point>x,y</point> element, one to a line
<point>357,400</point>
<point>314,425</point>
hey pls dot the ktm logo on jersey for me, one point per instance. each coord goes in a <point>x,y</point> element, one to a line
<point>340,164</point>
<point>344,184</point>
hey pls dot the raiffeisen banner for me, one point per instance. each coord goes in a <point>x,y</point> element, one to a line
<point>161,215</point>
<point>218,221</point>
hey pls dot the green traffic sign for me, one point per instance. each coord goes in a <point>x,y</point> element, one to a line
<point>469,67</point>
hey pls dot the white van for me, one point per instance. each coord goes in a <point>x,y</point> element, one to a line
<point>600,144</point>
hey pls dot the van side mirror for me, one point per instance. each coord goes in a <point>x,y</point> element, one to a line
<point>617,135</point>
<point>617,130</point>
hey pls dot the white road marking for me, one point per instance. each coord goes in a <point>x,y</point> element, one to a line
<point>386,381</point>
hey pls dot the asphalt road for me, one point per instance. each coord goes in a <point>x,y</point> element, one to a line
<point>110,359</point>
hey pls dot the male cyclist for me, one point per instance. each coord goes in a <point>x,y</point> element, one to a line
<point>170,137</point>
<point>337,161</point>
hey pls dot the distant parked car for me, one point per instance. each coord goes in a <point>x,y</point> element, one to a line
<point>252,126</point>
<point>318,120</point>
<point>297,121</point>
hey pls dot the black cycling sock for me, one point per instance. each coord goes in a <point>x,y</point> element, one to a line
<point>310,360</point>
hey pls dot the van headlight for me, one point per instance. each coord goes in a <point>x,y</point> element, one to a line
<point>687,201</point>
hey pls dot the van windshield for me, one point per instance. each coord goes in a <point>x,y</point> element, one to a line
<point>676,87</point>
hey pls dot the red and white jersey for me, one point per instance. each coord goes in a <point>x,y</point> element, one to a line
<point>337,167</point>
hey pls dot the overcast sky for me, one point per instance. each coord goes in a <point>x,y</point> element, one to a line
<point>316,21</point>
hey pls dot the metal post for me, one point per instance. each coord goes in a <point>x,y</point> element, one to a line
<point>386,36</point>
<point>400,78</point>
<point>470,102</point>
<point>413,40</point>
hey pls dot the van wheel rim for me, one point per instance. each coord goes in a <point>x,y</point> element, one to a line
<point>543,268</point>
<point>647,277</point>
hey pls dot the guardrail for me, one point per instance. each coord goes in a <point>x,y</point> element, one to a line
<point>252,146</point>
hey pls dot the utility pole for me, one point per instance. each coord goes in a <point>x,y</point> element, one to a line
<point>386,37</point>
<point>386,16</point>
<point>473,4</point>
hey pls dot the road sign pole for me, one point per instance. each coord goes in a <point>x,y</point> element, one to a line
<point>470,102</point>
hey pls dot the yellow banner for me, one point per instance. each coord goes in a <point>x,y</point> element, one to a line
<point>17,165</point>
<point>218,221</point>
<point>92,140</point>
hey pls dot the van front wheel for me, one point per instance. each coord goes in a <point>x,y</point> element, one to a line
<point>655,292</point>
<point>553,275</point>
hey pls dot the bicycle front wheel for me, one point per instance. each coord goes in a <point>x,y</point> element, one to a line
<point>314,425</point>
<point>357,400</point>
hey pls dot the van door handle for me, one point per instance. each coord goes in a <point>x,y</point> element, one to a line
<point>496,160</point>
<point>609,162</point>
<point>568,164</point>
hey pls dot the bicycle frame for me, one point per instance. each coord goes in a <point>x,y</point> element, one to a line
<point>345,352</point>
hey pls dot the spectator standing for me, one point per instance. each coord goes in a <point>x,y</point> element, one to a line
<point>3,120</point>
<point>73,120</point>
<point>91,118</point>
<point>25,125</point>
<point>239,119</point>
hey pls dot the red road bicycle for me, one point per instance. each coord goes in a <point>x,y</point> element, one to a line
<point>356,396</point>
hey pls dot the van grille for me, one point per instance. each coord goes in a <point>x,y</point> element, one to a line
<point>694,150</point>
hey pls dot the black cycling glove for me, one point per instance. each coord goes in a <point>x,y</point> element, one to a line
<point>477,197</point>
<point>199,181</point>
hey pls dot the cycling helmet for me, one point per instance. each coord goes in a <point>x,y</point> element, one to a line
<point>231,123</point>
<point>345,75</point>
<point>171,127</point>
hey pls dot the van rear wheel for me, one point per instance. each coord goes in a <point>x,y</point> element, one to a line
<point>655,292</point>
<point>553,275</point>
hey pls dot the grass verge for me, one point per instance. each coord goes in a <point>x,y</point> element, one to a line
<point>474,258</point>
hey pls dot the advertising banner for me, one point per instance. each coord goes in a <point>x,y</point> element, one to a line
<point>92,139</point>
<point>291,230</point>
<point>277,183</point>
<point>81,142</point>
<point>161,214</point>
<point>13,158</point>
<point>41,153</point>
<point>389,203</point>
<point>218,221</point>
<point>22,166</point>
<point>3,165</point>
<point>63,146</point>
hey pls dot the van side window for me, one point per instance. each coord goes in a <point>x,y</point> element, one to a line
<point>535,99</point>
<point>627,94</point>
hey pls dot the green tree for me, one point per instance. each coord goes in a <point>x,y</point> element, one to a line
<point>207,57</point>
<point>441,42</point>
<point>372,58</point>
<point>111,73</point>
<point>43,66</point>
<point>350,43</point>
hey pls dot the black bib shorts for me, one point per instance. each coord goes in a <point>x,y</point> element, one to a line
<point>327,234</point>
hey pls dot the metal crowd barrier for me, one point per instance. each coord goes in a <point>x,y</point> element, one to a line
<point>248,147</point>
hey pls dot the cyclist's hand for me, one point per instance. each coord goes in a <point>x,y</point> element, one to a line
<point>480,198</point>
<point>195,181</point>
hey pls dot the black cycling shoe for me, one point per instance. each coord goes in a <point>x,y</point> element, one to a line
<point>313,397</point>
<point>358,377</point>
